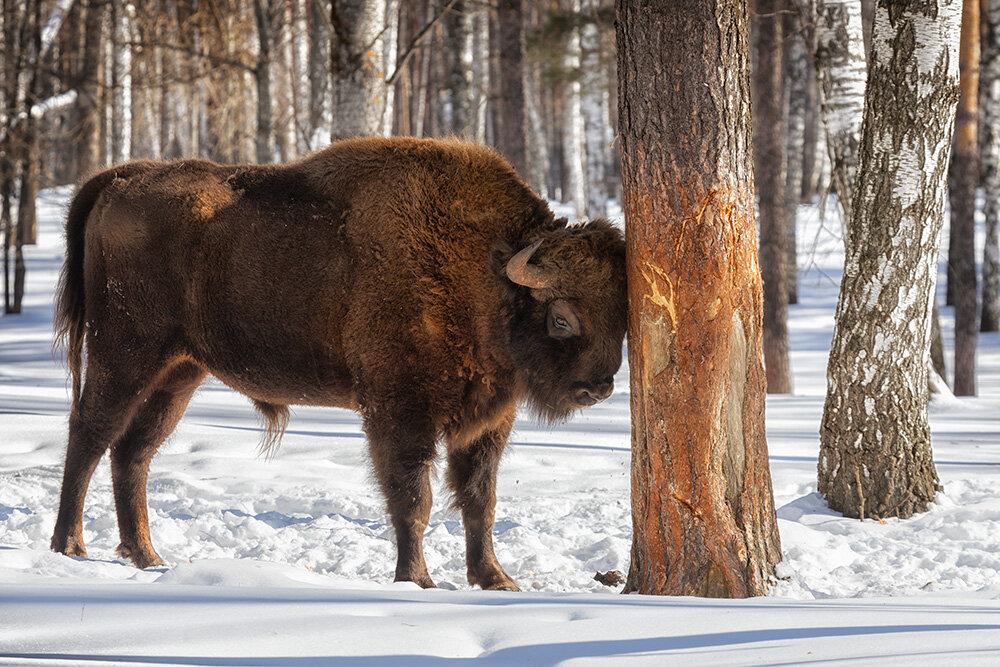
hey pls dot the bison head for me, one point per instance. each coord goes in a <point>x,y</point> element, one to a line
<point>567,299</point>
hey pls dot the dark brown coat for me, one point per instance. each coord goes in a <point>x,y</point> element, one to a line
<point>377,275</point>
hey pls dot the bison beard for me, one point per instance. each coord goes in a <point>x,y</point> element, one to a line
<point>418,282</point>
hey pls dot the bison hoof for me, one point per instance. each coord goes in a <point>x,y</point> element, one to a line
<point>141,558</point>
<point>497,581</point>
<point>71,546</point>
<point>424,581</point>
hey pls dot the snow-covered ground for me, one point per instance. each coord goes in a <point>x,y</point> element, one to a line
<point>288,561</point>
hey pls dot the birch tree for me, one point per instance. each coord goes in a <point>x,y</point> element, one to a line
<point>839,52</point>
<point>796,99</point>
<point>702,509</point>
<point>875,457</point>
<point>594,111</point>
<point>360,94</point>
<point>572,125</point>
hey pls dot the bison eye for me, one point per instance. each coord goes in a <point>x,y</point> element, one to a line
<point>562,320</point>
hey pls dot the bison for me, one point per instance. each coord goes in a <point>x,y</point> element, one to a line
<point>420,283</point>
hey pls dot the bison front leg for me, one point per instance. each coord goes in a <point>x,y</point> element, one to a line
<point>472,475</point>
<point>402,458</point>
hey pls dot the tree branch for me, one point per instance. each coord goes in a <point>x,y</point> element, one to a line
<point>404,57</point>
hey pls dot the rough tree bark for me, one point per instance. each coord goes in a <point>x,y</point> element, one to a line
<point>264,139</point>
<point>512,126</point>
<point>89,100</point>
<point>989,130</point>
<point>356,55</point>
<point>460,21</point>
<point>840,71</point>
<point>702,509</point>
<point>769,162</point>
<point>875,457</point>
<point>964,178</point>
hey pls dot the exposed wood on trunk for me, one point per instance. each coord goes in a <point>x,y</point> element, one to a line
<point>703,513</point>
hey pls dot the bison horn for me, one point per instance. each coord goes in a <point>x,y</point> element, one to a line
<point>522,274</point>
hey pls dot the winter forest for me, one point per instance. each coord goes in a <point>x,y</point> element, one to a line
<point>678,340</point>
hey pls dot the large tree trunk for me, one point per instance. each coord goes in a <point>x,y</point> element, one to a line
<point>875,456</point>
<point>512,126</point>
<point>965,176</point>
<point>840,70</point>
<point>702,508</point>
<point>769,162</point>
<point>989,129</point>
<point>360,94</point>
<point>594,111</point>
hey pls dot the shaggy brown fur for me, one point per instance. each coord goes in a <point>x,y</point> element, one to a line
<point>371,275</point>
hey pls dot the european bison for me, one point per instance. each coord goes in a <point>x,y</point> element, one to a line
<point>418,282</point>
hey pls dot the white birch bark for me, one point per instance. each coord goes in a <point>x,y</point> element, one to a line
<point>480,72</point>
<point>390,42</point>
<point>875,458</point>
<point>572,129</point>
<point>594,112</point>
<point>360,94</point>
<point>841,73</point>
<point>989,105</point>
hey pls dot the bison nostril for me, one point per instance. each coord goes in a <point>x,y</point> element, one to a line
<point>594,393</point>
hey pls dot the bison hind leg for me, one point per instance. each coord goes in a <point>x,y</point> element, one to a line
<point>275,418</point>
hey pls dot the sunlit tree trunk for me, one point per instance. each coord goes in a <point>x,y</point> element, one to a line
<point>702,509</point>
<point>964,177</point>
<point>875,456</point>
<point>575,189</point>
<point>360,95</point>
<point>840,70</point>
<point>594,111</point>
<point>797,77</point>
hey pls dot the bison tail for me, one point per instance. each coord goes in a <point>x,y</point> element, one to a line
<point>275,419</point>
<point>70,311</point>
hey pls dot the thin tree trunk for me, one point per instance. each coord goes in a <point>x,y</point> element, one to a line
<point>89,98</point>
<point>989,129</point>
<point>937,347</point>
<point>796,74</point>
<point>702,509</point>
<point>840,69</point>
<point>965,175</point>
<point>320,119</point>
<point>460,37</point>
<point>594,112</point>
<point>575,189</point>
<point>539,146</point>
<point>512,94</point>
<point>769,151</point>
<point>875,457</point>
<point>264,138</point>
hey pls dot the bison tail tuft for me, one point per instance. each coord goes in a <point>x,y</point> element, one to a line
<point>70,318</point>
<point>275,420</point>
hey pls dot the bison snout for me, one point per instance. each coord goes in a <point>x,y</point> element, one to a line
<point>594,393</point>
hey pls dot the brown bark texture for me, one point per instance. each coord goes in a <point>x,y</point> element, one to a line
<point>769,163</point>
<point>512,127</point>
<point>875,454</point>
<point>965,176</point>
<point>702,508</point>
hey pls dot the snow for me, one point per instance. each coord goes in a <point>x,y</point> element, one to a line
<point>289,561</point>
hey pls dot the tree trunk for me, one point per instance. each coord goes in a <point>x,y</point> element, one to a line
<point>594,112</point>
<point>797,76</point>
<point>359,89</point>
<point>121,133</point>
<point>575,189</point>
<point>539,164</point>
<point>512,126</point>
<point>989,96</point>
<point>769,153</point>
<point>937,347</point>
<point>264,139</point>
<point>89,98</point>
<point>965,176</point>
<point>702,509</point>
<point>460,37</point>
<point>320,120</point>
<point>875,457</point>
<point>840,71</point>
